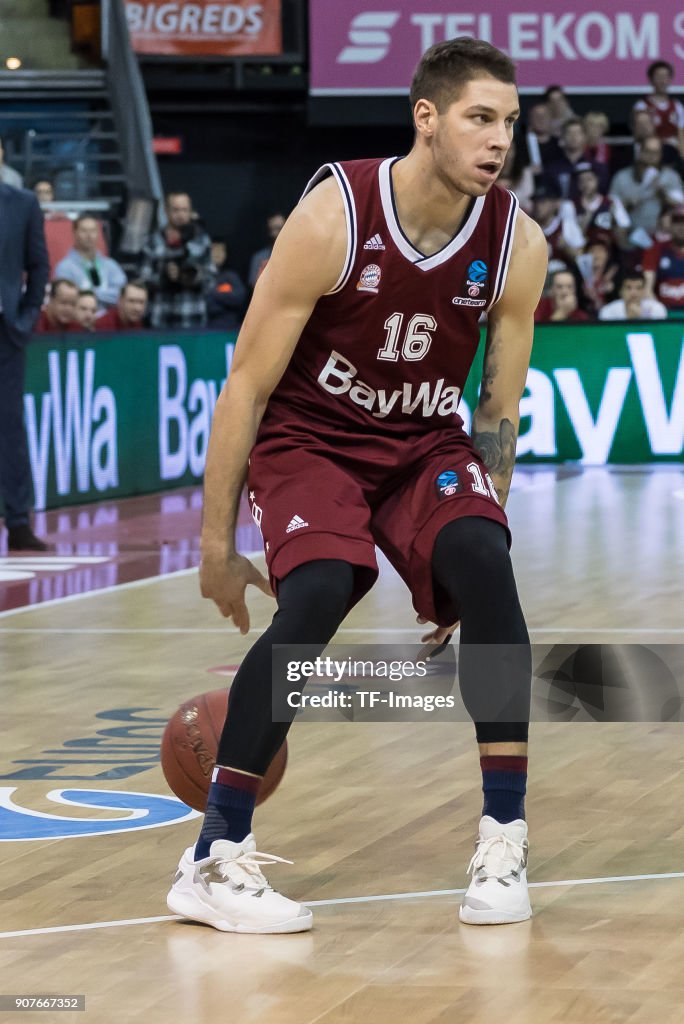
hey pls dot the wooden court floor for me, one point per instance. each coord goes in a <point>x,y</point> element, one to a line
<point>378,818</point>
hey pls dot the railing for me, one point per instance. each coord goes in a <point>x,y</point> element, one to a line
<point>129,105</point>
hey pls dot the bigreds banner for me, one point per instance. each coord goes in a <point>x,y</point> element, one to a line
<point>188,28</point>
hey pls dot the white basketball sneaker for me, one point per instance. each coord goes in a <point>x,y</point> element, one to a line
<point>228,891</point>
<point>497,893</point>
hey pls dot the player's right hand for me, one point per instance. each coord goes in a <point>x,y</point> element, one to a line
<point>224,579</point>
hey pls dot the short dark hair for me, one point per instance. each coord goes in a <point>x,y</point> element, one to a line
<point>656,65</point>
<point>87,291</point>
<point>58,281</point>
<point>137,283</point>
<point>633,275</point>
<point>570,122</point>
<point>553,88</point>
<point>85,216</point>
<point>446,67</point>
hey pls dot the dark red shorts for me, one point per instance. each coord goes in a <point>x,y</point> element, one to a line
<point>312,500</point>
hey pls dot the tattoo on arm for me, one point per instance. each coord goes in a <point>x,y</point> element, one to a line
<point>497,449</point>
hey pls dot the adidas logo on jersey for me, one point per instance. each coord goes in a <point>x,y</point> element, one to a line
<point>296,523</point>
<point>374,243</point>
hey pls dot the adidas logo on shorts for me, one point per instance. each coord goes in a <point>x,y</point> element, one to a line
<point>374,243</point>
<point>296,523</point>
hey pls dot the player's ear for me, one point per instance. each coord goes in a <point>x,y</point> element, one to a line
<point>425,118</point>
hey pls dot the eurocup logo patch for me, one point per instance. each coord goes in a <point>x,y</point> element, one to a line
<point>476,279</point>
<point>448,483</point>
<point>477,272</point>
<point>370,279</point>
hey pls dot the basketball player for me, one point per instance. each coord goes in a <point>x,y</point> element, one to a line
<point>340,413</point>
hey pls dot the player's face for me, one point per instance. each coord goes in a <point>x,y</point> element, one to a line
<point>471,137</point>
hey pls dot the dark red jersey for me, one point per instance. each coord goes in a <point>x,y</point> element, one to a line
<point>389,349</point>
<point>668,117</point>
<point>667,261</point>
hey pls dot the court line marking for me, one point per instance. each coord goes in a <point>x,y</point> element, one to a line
<point>166,631</point>
<point>347,899</point>
<point>131,585</point>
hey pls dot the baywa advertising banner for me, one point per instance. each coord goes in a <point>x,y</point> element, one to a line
<point>188,28</point>
<point>130,414</point>
<point>373,46</point>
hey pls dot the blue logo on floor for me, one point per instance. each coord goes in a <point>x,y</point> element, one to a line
<point>144,810</point>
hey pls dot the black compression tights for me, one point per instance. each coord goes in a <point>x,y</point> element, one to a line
<point>312,602</point>
<point>470,561</point>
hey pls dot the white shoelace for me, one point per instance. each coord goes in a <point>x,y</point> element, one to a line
<point>500,849</point>
<point>248,865</point>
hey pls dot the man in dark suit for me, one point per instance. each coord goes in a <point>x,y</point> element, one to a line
<point>24,270</point>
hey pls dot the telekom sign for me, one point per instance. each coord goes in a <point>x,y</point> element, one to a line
<point>364,46</point>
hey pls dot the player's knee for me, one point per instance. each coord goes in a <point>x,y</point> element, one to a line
<point>317,593</point>
<point>473,546</point>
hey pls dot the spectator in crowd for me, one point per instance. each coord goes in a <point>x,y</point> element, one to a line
<point>44,190</point>
<point>663,232</point>
<point>131,307</point>
<point>542,145</point>
<point>226,301</point>
<point>177,268</point>
<point>8,176</point>
<point>516,174</point>
<point>561,304</point>
<point>24,270</point>
<point>86,310</point>
<point>663,265</point>
<point>643,127</point>
<point>596,127</point>
<point>601,217</point>
<point>667,112</point>
<point>646,187</point>
<point>274,225</point>
<point>633,304</point>
<point>88,268</point>
<point>59,314</point>
<point>558,221</point>
<point>574,146</point>
<point>559,108</point>
<point>600,272</point>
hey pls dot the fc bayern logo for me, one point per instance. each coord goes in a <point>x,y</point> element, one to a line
<point>370,278</point>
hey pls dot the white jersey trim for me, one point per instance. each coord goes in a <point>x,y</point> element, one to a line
<point>506,250</point>
<point>402,243</point>
<point>349,216</point>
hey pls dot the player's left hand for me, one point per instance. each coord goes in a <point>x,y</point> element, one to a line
<point>438,634</point>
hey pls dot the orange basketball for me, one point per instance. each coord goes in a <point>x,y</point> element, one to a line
<point>189,745</point>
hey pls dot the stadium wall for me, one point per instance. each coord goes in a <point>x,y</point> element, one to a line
<point>117,415</point>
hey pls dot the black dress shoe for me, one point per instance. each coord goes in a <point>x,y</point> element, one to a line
<point>22,538</point>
